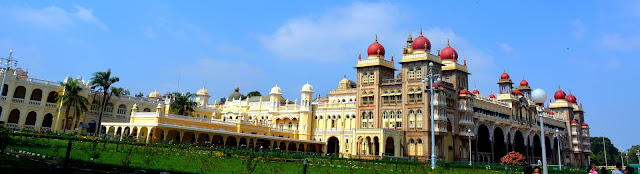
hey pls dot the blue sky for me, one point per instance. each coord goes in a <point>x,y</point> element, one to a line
<point>590,48</point>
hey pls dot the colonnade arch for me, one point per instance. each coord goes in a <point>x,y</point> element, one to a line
<point>499,147</point>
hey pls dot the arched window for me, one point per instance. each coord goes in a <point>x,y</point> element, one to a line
<point>384,115</point>
<point>109,108</point>
<point>392,115</point>
<point>419,73</point>
<point>399,114</point>
<point>36,95</point>
<point>365,77</point>
<point>371,78</point>
<point>147,110</point>
<point>370,115</point>
<point>95,106</point>
<point>122,109</point>
<point>412,73</point>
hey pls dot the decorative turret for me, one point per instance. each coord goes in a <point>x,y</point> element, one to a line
<point>307,96</point>
<point>202,97</point>
<point>275,95</point>
<point>505,83</point>
<point>525,88</point>
<point>155,95</point>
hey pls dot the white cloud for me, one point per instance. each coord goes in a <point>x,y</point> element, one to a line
<point>506,47</point>
<point>329,36</point>
<point>54,17</point>
<point>614,41</point>
<point>579,29</point>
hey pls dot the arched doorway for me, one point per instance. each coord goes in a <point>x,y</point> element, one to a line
<point>51,98</point>
<point>231,142</point>
<point>484,143</point>
<point>47,121</point>
<point>333,146</point>
<point>389,147</point>
<point>14,116</point>
<point>36,95</point>
<point>519,143</point>
<point>499,148</point>
<point>92,126</point>
<point>20,92</point>
<point>537,147</point>
<point>31,118</point>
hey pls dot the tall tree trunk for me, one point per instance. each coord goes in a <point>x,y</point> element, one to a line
<point>104,98</point>
<point>66,113</point>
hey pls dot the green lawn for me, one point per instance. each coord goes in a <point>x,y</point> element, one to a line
<point>197,160</point>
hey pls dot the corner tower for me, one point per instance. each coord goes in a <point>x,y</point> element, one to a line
<point>372,71</point>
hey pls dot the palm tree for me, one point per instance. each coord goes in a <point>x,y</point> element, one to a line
<point>182,104</point>
<point>102,81</point>
<point>71,98</point>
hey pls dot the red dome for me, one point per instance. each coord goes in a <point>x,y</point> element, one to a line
<point>449,53</point>
<point>571,99</point>
<point>559,94</point>
<point>523,82</point>
<point>420,42</point>
<point>462,92</point>
<point>504,75</point>
<point>492,96</point>
<point>475,91</point>
<point>573,121</point>
<point>551,113</point>
<point>374,48</point>
<point>585,125</point>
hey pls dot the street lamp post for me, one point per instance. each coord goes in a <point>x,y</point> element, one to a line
<point>539,96</point>
<point>469,133</point>
<point>559,154</point>
<point>621,155</point>
<point>430,78</point>
<point>7,64</point>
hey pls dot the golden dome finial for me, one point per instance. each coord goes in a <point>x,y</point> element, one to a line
<point>376,38</point>
<point>420,31</point>
<point>558,87</point>
<point>448,43</point>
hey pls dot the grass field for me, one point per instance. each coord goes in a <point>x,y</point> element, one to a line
<point>129,158</point>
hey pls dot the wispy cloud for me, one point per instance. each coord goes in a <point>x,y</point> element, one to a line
<point>579,30</point>
<point>615,41</point>
<point>53,17</point>
<point>327,36</point>
<point>506,47</point>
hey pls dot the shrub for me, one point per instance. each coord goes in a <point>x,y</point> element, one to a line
<point>513,159</point>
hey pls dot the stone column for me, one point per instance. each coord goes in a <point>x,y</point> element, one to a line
<point>148,135</point>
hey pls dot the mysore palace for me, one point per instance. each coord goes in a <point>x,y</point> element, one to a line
<point>384,111</point>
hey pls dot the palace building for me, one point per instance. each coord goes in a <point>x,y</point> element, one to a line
<point>384,112</point>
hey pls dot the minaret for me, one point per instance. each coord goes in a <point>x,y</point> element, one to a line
<point>275,95</point>
<point>202,97</point>
<point>505,83</point>
<point>306,96</point>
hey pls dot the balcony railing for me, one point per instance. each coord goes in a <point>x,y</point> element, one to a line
<point>18,100</point>
<point>53,105</point>
<point>33,102</point>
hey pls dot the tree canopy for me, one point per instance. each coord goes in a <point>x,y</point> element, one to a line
<point>254,93</point>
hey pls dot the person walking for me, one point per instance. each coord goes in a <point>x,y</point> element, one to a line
<point>618,169</point>
<point>629,170</point>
